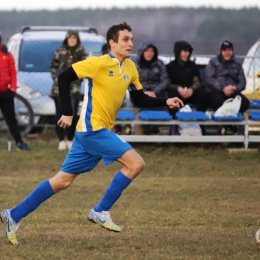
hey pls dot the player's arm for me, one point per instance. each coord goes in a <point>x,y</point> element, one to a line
<point>140,99</point>
<point>64,80</point>
<point>79,70</point>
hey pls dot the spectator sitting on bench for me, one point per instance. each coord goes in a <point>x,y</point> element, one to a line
<point>225,78</point>
<point>152,75</point>
<point>184,78</point>
<point>152,71</point>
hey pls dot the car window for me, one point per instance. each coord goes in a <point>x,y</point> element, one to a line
<point>36,55</point>
<point>94,48</point>
<point>255,64</point>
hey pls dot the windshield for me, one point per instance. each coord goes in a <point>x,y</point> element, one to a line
<point>36,55</point>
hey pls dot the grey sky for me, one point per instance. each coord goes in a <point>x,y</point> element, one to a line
<point>57,4</point>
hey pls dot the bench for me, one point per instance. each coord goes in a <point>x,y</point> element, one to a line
<point>156,119</point>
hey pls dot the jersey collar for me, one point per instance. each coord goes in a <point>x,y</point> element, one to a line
<point>112,56</point>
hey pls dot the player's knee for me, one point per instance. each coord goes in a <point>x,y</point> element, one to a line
<point>137,167</point>
<point>65,184</point>
<point>60,184</point>
<point>141,165</point>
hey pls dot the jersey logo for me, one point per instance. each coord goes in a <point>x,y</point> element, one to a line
<point>111,73</point>
<point>126,77</point>
<point>100,220</point>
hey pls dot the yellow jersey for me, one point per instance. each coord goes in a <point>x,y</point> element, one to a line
<point>105,87</point>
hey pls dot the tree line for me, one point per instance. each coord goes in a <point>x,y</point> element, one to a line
<point>159,24</point>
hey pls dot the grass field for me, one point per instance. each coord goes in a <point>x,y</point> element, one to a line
<point>190,202</point>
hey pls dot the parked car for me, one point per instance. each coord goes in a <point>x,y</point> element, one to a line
<point>33,48</point>
<point>251,66</point>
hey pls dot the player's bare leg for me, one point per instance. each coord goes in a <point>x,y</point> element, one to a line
<point>133,164</point>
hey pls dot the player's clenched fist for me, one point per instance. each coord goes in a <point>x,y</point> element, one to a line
<point>65,121</point>
<point>174,103</point>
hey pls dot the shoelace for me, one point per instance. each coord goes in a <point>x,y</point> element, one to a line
<point>107,214</point>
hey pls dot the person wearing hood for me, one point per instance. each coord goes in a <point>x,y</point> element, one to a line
<point>70,52</point>
<point>225,78</point>
<point>8,86</point>
<point>184,78</point>
<point>152,71</point>
<point>153,77</point>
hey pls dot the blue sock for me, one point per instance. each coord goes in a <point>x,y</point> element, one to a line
<point>114,191</point>
<point>32,201</point>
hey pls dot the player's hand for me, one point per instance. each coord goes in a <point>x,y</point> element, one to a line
<point>150,93</point>
<point>174,103</point>
<point>65,121</point>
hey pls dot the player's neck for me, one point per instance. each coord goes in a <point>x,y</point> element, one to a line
<point>118,57</point>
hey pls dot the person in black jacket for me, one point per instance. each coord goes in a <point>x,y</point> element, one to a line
<point>184,77</point>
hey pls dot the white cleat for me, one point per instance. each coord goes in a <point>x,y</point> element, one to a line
<point>104,220</point>
<point>10,226</point>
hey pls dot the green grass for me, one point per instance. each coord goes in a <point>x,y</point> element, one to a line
<point>190,202</point>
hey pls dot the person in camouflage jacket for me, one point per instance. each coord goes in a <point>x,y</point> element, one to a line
<point>70,52</point>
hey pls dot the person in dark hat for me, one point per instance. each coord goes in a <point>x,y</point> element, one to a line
<point>185,80</point>
<point>225,78</point>
<point>70,52</point>
<point>8,86</point>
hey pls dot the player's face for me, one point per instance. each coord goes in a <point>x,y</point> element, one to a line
<point>123,47</point>
<point>227,54</point>
<point>148,54</point>
<point>72,41</point>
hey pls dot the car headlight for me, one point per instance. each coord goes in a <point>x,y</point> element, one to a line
<point>28,92</point>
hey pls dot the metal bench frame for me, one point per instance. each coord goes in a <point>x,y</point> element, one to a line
<point>245,139</point>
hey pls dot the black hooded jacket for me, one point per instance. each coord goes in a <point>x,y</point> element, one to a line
<point>184,74</point>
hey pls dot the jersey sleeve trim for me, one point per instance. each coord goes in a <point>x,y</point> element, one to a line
<point>132,87</point>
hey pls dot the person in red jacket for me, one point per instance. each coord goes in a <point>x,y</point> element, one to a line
<point>7,89</point>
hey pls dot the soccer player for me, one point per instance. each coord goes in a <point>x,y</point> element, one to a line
<point>107,79</point>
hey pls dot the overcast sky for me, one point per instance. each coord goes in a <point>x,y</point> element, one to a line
<point>68,4</point>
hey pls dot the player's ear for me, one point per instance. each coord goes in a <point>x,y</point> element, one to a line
<point>111,43</point>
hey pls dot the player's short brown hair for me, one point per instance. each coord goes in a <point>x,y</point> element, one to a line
<point>113,31</point>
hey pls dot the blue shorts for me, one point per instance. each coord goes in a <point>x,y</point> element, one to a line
<point>89,148</point>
